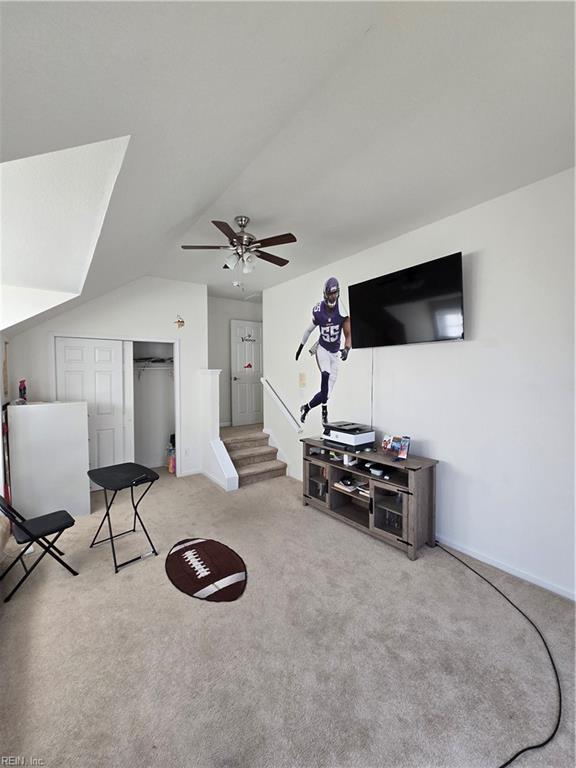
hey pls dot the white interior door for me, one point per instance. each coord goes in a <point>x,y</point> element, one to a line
<point>91,370</point>
<point>246,371</point>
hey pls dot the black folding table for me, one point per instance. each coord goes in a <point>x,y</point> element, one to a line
<point>114,479</point>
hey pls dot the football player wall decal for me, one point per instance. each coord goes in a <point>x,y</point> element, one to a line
<point>332,320</point>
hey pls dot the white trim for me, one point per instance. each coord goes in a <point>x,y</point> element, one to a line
<point>113,337</point>
<point>212,478</point>
<point>507,568</point>
<point>225,423</point>
<point>229,479</point>
<point>52,362</point>
<point>128,399</point>
<point>192,471</point>
<point>177,406</point>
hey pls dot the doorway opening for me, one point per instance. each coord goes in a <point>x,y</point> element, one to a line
<point>154,406</point>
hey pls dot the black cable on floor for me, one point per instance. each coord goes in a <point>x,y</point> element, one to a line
<point>529,620</point>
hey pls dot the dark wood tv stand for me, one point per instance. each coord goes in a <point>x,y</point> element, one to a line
<point>397,507</point>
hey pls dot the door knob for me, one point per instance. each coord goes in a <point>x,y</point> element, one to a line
<point>235,378</point>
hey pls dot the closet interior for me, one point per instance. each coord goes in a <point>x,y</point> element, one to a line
<point>154,417</point>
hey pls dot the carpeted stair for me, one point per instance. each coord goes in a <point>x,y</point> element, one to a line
<point>253,458</point>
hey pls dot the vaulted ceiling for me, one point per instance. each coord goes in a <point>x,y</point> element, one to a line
<point>345,123</point>
<point>53,208</point>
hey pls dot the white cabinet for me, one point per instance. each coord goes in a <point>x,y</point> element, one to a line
<point>49,458</point>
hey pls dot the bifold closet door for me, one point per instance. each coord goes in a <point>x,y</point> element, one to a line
<point>90,370</point>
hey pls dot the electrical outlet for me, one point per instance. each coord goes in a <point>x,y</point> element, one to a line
<point>301,380</point>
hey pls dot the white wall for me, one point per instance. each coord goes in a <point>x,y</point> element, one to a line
<point>216,463</point>
<point>152,349</point>
<point>497,410</point>
<point>220,312</point>
<point>18,303</point>
<point>142,310</point>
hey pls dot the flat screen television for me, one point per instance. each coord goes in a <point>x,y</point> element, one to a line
<point>419,304</point>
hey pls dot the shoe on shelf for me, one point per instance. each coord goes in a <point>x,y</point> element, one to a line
<point>304,409</point>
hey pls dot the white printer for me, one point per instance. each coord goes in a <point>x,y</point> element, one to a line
<point>346,434</point>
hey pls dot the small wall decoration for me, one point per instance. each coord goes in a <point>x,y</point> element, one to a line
<point>248,337</point>
<point>179,322</point>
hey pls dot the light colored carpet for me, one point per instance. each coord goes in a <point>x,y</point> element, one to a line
<point>244,429</point>
<point>341,654</point>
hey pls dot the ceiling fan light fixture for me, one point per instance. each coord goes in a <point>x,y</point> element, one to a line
<point>245,247</point>
<point>231,260</point>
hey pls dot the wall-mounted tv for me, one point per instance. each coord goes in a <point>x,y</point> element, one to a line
<point>418,304</point>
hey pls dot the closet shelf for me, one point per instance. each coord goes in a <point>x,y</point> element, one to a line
<point>153,364</point>
<point>154,360</point>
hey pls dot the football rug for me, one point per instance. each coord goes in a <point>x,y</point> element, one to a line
<point>206,569</point>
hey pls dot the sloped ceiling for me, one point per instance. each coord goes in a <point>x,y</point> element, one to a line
<point>53,208</point>
<point>345,123</point>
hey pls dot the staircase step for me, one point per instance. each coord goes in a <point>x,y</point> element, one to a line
<point>252,455</point>
<point>264,470</point>
<point>250,440</point>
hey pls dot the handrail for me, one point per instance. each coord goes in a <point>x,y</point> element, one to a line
<point>294,423</point>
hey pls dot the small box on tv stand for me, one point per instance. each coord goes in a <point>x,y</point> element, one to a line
<point>348,435</point>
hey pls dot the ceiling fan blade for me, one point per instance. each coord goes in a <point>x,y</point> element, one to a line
<point>226,230</point>
<point>277,240</point>
<point>271,258</point>
<point>205,247</point>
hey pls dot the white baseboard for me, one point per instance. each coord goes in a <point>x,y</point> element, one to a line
<point>230,484</point>
<point>507,568</point>
<point>225,423</point>
<point>188,472</point>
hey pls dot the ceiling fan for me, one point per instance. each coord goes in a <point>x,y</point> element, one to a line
<point>245,248</point>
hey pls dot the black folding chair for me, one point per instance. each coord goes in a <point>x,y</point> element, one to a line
<point>36,530</point>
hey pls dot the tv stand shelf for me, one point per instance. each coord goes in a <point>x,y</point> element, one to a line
<point>397,507</point>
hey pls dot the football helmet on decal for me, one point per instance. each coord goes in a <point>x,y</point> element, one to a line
<point>331,292</point>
